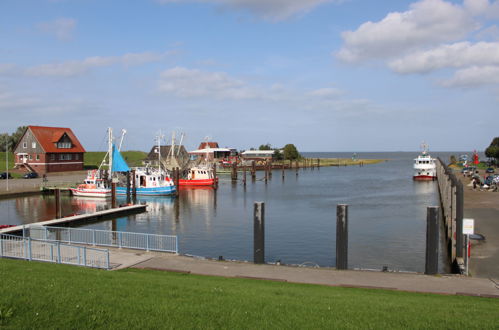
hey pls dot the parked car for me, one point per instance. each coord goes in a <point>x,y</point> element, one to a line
<point>30,175</point>
<point>4,175</point>
<point>489,170</point>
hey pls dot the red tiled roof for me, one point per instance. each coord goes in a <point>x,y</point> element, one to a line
<point>205,145</point>
<point>48,137</point>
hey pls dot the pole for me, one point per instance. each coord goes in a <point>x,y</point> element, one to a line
<point>342,236</point>
<point>7,162</point>
<point>432,235</point>
<point>459,219</point>
<point>134,184</point>
<point>113,195</point>
<point>466,255</point>
<point>259,233</point>
<point>58,212</point>
<point>244,175</point>
<point>128,190</point>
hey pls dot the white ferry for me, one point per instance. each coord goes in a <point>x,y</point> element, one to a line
<point>424,166</point>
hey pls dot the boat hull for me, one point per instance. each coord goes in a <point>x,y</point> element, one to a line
<point>151,191</point>
<point>197,183</point>
<point>101,193</point>
<point>424,178</point>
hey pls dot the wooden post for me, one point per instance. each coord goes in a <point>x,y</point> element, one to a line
<point>270,169</point>
<point>234,172</point>
<point>266,170</point>
<point>128,188</point>
<point>215,176</point>
<point>296,168</point>
<point>113,195</point>
<point>253,170</point>
<point>432,235</point>
<point>58,209</point>
<point>342,236</point>
<point>318,163</point>
<point>259,233</point>
<point>134,184</point>
<point>283,170</point>
<point>244,175</point>
<point>177,180</point>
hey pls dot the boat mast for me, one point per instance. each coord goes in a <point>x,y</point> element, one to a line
<point>123,132</point>
<point>110,150</point>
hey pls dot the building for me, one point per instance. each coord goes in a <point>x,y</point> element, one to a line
<point>258,155</point>
<point>179,159</point>
<point>49,149</point>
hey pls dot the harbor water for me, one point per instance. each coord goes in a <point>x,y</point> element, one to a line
<point>387,215</point>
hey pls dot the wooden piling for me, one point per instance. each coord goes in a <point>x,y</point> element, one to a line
<point>234,172</point>
<point>342,236</point>
<point>244,175</point>
<point>58,208</point>
<point>134,184</point>
<point>259,233</point>
<point>128,188</point>
<point>113,195</point>
<point>282,167</point>
<point>215,184</point>
<point>432,238</point>
<point>177,180</point>
<point>253,170</point>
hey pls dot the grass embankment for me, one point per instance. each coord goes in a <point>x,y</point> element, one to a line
<point>3,156</point>
<point>40,295</point>
<point>133,158</point>
<point>307,162</point>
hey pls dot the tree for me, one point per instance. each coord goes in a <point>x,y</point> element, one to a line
<point>4,142</point>
<point>453,159</point>
<point>493,149</point>
<point>278,155</point>
<point>265,147</point>
<point>290,152</point>
<point>16,136</point>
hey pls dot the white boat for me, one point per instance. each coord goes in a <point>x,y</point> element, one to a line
<point>97,184</point>
<point>424,166</point>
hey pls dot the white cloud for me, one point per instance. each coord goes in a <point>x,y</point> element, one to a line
<point>61,28</point>
<point>428,22</point>
<point>188,83</point>
<point>77,67</point>
<point>327,92</point>
<point>474,76</point>
<point>484,8</point>
<point>273,10</point>
<point>458,55</point>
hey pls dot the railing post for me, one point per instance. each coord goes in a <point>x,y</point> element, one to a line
<point>51,252</point>
<point>59,252</point>
<point>30,256</point>
<point>79,256</point>
<point>147,242</point>
<point>85,256</point>
<point>107,260</point>
<point>93,236</point>
<point>176,244</point>
<point>1,246</point>
<point>432,236</point>
<point>342,236</point>
<point>119,239</point>
<point>259,233</point>
<point>69,235</point>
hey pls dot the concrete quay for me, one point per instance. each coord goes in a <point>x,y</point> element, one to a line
<point>412,282</point>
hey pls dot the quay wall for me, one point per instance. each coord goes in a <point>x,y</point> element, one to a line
<point>452,205</point>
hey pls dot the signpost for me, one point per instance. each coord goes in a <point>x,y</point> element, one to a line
<point>468,229</point>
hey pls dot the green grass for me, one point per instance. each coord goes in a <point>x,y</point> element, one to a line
<point>2,161</point>
<point>133,158</point>
<point>40,295</point>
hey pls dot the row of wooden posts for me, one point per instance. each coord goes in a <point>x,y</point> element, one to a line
<point>432,237</point>
<point>269,166</point>
<point>452,202</point>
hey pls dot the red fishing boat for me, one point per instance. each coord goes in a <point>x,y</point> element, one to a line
<point>199,176</point>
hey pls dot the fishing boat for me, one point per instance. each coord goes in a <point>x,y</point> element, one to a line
<point>424,166</point>
<point>198,176</point>
<point>97,182</point>
<point>149,181</point>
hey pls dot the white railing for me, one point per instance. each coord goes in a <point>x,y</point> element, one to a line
<point>42,250</point>
<point>120,239</point>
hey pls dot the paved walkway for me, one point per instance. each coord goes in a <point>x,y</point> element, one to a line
<point>448,284</point>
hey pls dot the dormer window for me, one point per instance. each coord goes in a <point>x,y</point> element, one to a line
<point>64,145</point>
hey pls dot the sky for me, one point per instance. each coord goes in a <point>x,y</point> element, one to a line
<point>325,75</point>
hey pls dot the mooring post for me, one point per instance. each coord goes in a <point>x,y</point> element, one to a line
<point>177,180</point>
<point>134,184</point>
<point>113,195</point>
<point>259,233</point>
<point>270,169</point>
<point>253,170</point>
<point>432,235</point>
<point>318,163</point>
<point>58,210</point>
<point>282,167</point>
<point>342,236</point>
<point>266,169</point>
<point>234,172</point>
<point>215,184</point>
<point>128,190</point>
<point>244,175</point>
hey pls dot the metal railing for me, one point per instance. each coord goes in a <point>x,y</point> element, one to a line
<point>50,251</point>
<point>120,239</point>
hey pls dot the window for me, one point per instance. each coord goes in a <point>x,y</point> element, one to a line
<point>37,157</point>
<point>25,145</point>
<point>33,145</point>
<point>30,157</point>
<point>77,157</point>
<point>52,156</point>
<point>64,145</point>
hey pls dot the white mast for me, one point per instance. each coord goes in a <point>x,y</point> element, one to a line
<point>180,144</point>
<point>159,137</point>
<point>123,132</point>
<point>110,149</point>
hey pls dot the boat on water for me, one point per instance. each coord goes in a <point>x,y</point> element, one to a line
<point>149,181</point>
<point>98,182</point>
<point>424,166</point>
<point>199,176</point>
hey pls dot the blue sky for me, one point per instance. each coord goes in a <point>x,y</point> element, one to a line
<point>326,75</point>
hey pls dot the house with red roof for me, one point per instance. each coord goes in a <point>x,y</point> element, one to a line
<point>49,149</point>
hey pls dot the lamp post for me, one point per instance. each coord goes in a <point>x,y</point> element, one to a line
<point>7,162</point>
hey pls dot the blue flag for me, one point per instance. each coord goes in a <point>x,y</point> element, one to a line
<point>119,164</point>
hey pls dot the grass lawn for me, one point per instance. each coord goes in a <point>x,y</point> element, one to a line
<point>133,158</point>
<point>40,295</point>
<point>3,158</point>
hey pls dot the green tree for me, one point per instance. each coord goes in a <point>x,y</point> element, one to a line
<point>265,147</point>
<point>16,136</point>
<point>278,155</point>
<point>493,149</point>
<point>453,159</point>
<point>4,142</point>
<point>290,152</point>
